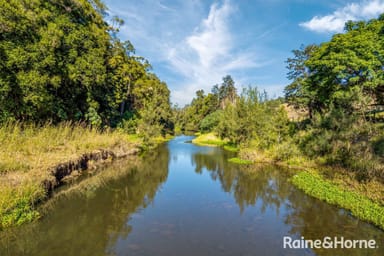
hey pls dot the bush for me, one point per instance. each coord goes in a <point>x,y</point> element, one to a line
<point>210,121</point>
<point>285,151</point>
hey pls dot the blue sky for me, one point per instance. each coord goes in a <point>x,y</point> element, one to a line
<point>192,44</point>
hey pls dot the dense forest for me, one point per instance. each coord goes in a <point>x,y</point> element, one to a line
<point>336,96</point>
<point>61,61</point>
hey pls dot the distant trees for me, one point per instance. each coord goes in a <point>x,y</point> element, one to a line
<point>338,82</point>
<point>245,118</point>
<point>203,106</point>
<point>60,60</point>
<point>254,119</point>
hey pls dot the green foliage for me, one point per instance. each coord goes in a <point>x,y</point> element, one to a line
<point>254,118</point>
<point>231,147</point>
<point>129,123</point>
<point>210,121</point>
<point>197,115</point>
<point>28,153</point>
<point>340,82</point>
<point>378,146</point>
<point>209,139</point>
<point>17,206</point>
<point>297,93</point>
<point>342,139</point>
<point>285,151</point>
<point>345,72</point>
<point>61,61</point>
<point>360,206</point>
<point>236,160</point>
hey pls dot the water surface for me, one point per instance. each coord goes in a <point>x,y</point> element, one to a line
<point>183,199</point>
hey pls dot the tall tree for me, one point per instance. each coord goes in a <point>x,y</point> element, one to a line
<point>297,93</point>
<point>60,60</point>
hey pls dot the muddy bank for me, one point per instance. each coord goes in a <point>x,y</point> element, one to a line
<point>75,167</point>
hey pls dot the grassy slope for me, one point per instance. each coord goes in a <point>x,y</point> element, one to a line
<point>210,139</point>
<point>27,153</point>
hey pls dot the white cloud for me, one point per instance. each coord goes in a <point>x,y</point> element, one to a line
<point>209,53</point>
<point>335,22</point>
<point>191,42</point>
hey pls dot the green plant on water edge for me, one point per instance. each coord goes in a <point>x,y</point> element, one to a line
<point>237,160</point>
<point>231,148</point>
<point>22,213</point>
<point>208,142</point>
<point>360,206</point>
<point>210,139</point>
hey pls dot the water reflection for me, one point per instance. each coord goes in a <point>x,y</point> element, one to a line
<point>247,183</point>
<point>203,205</point>
<point>89,220</point>
<point>267,186</point>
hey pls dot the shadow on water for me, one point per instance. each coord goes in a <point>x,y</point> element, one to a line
<point>181,199</point>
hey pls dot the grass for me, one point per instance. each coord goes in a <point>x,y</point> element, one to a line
<point>359,205</point>
<point>161,139</point>
<point>237,160</point>
<point>28,152</point>
<point>231,147</point>
<point>210,139</point>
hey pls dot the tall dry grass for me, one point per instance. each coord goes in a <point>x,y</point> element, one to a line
<point>28,151</point>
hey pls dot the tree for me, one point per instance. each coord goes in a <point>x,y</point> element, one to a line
<point>297,93</point>
<point>227,91</point>
<point>60,60</point>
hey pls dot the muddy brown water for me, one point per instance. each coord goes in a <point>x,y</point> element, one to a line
<point>183,200</point>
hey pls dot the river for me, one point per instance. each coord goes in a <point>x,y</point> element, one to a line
<point>181,199</point>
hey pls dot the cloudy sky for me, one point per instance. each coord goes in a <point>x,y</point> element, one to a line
<point>192,44</point>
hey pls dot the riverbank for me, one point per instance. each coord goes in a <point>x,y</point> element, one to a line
<point>363,198</point>
<point>359,205</point>
<point>210,139</point>
<point>35,160</point>
<point>330,183</point>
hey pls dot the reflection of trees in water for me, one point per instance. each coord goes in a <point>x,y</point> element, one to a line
<point>247,183</point>
<point>304,215</point>
<point>92,221</point>
<point>314,219</point>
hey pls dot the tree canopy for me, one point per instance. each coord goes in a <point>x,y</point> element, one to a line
<point>61,60</point>
<point>346,72</point>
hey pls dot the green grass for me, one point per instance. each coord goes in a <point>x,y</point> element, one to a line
<point>210,139</point>
<point>237,160</point>
<point>28,152</point>
<point>231,148</point>
<point>360,206</point>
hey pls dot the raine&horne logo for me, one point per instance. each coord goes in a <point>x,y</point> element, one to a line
<point>328,243</point>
